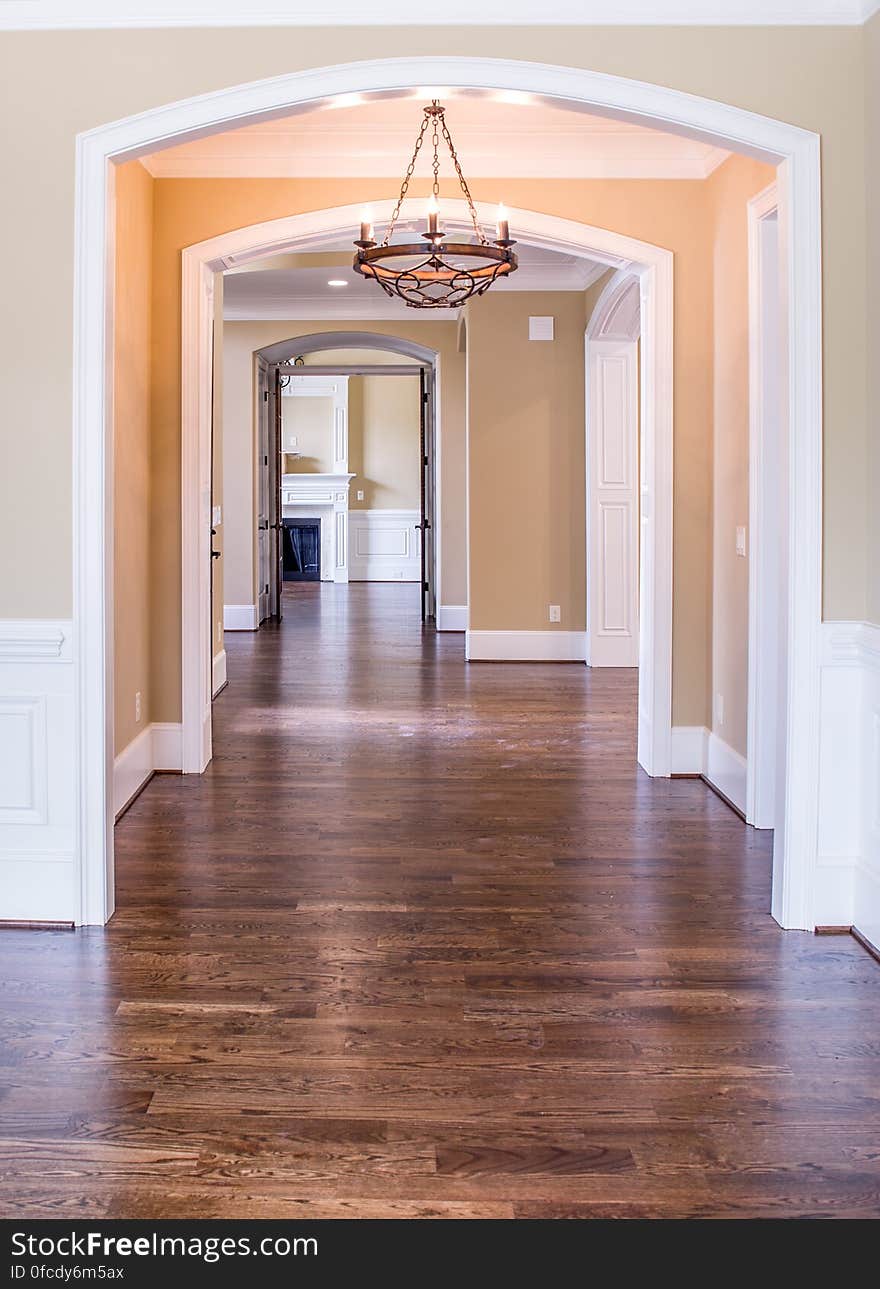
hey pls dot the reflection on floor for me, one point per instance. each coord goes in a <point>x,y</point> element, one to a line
<point>424,940</point>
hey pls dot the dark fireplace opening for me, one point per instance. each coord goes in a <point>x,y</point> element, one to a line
<point>302,550</point>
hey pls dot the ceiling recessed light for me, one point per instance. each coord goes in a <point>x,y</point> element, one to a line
<point>337,281</point>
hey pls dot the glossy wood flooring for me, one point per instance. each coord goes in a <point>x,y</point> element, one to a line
<point>424,941</point>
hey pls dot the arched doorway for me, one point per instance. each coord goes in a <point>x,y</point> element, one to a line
<point>794,150</point>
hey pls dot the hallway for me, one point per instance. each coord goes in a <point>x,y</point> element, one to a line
<point>424,941</point>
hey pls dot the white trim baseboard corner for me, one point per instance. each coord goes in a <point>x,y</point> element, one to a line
<point>132,768</point>
<point>525,646</point>
<point>157,747</point>
<point>726,771</point>
<point>218,673</point>
<point>167,746</point>
<point>452,617</point>
<point>240,617</point>
<point>688,749</point>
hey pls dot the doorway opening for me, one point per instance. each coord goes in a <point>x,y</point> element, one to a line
<point>797,152</point>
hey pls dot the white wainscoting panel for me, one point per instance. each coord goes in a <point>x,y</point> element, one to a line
<point>848,862</point>
<point>218,673</point>
<point>384,546</point>
<point>526,646</point>
<point>240,617</point>
<point>39,879</point>
<point>452,617</point>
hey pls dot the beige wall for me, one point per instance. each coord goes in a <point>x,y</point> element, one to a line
<point>810,76</point>
<point>383,442</point>
<point>309,420</point>
<point>526,454</point>
<point>872,172</point>
<point>131,451</point>
<point>730,188</point>
<point>240,342</point>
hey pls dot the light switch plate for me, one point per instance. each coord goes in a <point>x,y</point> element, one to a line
<point>741,541</point>
<point>216,516</point>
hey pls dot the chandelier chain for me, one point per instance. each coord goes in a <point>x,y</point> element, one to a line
<point>437,114</point>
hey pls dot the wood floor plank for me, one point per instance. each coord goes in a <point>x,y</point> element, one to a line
<point>425,942</point>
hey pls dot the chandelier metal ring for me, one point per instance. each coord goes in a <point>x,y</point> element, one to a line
<point>435,274</point>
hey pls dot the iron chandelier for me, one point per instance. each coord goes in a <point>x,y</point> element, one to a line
<point>437,275</point>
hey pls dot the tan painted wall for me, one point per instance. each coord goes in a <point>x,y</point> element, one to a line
<point>310,421</point>
<point>384,442</point>
<point>526,452</point>
<point>811,76</point>
<point>240,342</point>
<point>131,451</point>
<point>730,188</point>
<point>872,172</point>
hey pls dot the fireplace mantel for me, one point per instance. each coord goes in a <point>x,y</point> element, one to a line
<point>326,497</point>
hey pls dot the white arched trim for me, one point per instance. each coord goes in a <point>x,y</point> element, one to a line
<point>319,340</point>
<point>617,315</point>
<point>797,153</point>
<point>652,267</point>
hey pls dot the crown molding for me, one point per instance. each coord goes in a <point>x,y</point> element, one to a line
<point>35,15</point>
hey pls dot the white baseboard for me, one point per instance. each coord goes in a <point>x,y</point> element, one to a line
<point>240,617</point>
<point>131,768</point>
<point>726,770</point>
<point>525,646</point>
<point>218,673</point>
<point>452,617</point>
<point>167,746</point>
<point>688,749</point>
<point>697,750</point>
<point>158,747</point>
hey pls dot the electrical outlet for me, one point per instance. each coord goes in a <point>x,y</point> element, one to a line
<point>719,708</point>
<point>741,541</point>
<point>360,494</point>
<point>555,613</point>
<point>137,706</point>
<point>293,440</point>
<point>219,632</point>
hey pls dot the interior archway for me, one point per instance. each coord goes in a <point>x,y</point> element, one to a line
<point>797,153</point>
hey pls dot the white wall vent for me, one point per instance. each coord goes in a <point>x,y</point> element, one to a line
<point>540,328</point>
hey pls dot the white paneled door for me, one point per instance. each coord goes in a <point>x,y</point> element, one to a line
<point>613,499</point>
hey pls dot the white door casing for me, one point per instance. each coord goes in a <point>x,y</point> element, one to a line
<point>767,534</point>
<point>796,151</point>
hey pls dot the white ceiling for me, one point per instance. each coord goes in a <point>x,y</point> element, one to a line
<point>497,135</point>
<point>297,286</point>
<point>24,14</point>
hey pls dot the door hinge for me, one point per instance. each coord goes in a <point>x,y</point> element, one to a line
<point>265,395</point>
<point>425,586</point>
<point>425,398</point>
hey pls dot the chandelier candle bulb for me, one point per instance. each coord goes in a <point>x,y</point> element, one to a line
<point>366,231</point>
<point>433,215</point>
<point>502,228</point>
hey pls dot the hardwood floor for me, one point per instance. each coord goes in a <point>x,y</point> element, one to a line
<point>424,941</point>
